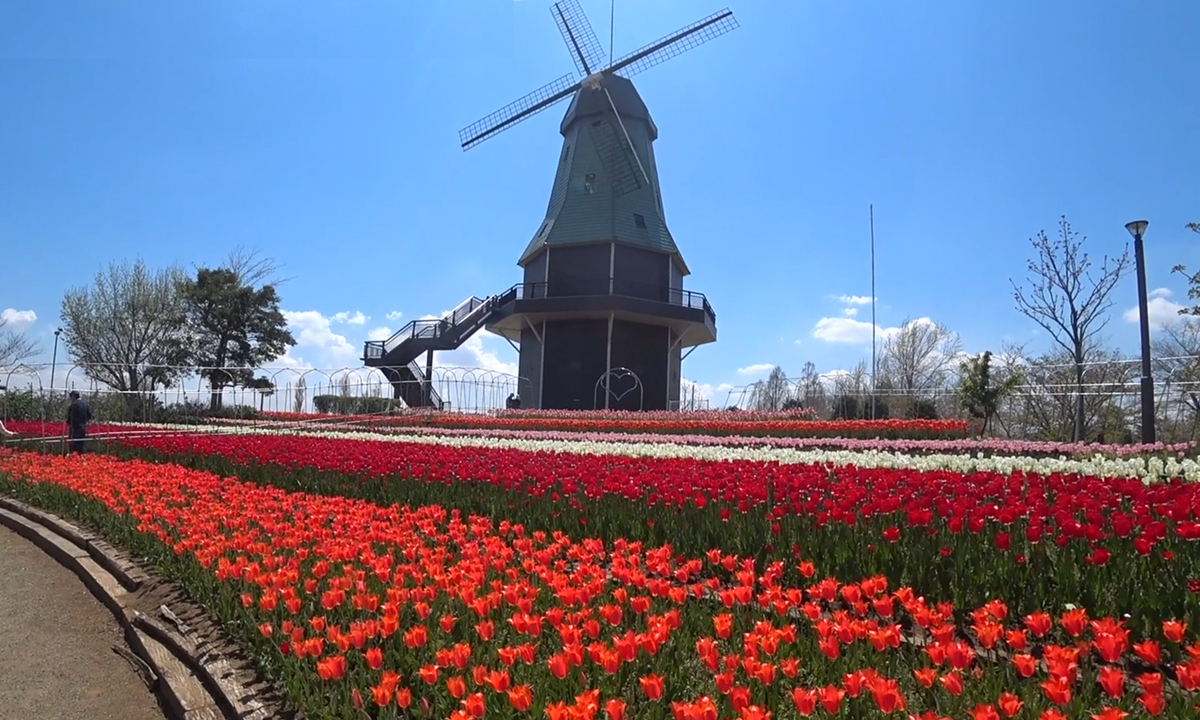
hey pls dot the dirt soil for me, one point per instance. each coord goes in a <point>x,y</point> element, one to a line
<point>56,645</point>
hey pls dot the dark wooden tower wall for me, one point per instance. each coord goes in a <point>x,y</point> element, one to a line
<point>529,364</point>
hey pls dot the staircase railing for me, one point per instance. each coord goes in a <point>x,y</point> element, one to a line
<point>435,399</point>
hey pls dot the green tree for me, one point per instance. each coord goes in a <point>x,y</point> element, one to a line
<point>265,388</point>
<point>979,393</point>
<point>234,325</point>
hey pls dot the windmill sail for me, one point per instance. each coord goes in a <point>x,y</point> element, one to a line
<point>675,44</point>
<point>582,43</point>
<point>588,56</point>
<point>517,111</point>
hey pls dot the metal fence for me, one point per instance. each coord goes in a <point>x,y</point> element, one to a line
<point>1042,407</point>
<point>40,392</point>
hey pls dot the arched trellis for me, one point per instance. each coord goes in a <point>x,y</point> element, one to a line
<point>473,389</point>
<point>462,388</point>
<point>25,396</point>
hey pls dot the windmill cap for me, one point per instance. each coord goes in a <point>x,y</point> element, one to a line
<point>590,101</point>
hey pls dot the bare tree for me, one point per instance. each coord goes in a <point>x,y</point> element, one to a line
<point>15,348</point>
<point>1045,405</point>
<point>920,358</point>
<point>1177,364</point>
<point>252,270</point>
<point>811,392</point>
<point>127,330</point>
<point>852,394</point>
<point>1066,299</point>
<point>772,393</point>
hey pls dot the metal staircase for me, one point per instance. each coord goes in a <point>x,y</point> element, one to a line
<point>396,357</point>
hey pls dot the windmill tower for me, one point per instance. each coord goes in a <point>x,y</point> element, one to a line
<point>602,319</point>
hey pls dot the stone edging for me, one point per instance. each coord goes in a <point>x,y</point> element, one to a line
<point>196,673</point>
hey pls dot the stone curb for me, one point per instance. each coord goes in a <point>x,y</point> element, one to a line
<point>192,677</point>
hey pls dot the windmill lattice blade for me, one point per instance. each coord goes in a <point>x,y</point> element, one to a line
<point>614,154</point>
<point>676,43</point>
<point>516,111</point>
<point>577,32</point>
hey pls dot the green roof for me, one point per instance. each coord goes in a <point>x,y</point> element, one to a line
<point>606,186</point>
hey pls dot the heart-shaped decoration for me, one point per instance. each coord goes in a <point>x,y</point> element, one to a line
<point>619,382</point>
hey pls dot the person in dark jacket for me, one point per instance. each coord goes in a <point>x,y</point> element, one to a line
<point>78,417</point>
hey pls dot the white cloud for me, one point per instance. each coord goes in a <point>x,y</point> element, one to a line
<point>757,369</point>
<point>855,299</point>
<point>379,333</point>
<point>474,354</point>
<point>1161,310</point>
<point>289,360</point>
<point>14,319</point>
<point>850,311</point>
<point>842,330</point>
<point>312,330</point>
<point>354,318</point>
<point>394,315</point>
<point>849,330</point>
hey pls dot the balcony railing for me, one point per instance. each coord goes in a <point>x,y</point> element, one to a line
<point>588,287</point>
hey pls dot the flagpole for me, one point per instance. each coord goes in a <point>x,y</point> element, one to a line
<point>874,367</point>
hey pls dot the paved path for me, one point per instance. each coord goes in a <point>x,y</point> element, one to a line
<point>56,645</point>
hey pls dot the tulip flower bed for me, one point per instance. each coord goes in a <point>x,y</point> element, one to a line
<point>363,610</point>
<point>801,413</point>
<point>712,423</point>
<point>1149,468</point>
<point>1118,546</point>
<point>987,446</point>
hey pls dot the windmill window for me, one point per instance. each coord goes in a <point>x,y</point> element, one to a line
<point>566,153</point>
<point>589,182</point>
<point>640,221</point>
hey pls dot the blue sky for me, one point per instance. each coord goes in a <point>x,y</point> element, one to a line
<point>325,135</point>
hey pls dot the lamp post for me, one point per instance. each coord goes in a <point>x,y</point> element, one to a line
<point>54,359</point>
<point>1137,228</point>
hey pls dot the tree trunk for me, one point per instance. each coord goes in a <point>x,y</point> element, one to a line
<point>133,395</point>
<point>1079,429</point>
<point>216,400</point>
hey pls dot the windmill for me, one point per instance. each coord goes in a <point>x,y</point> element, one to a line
<point>602,300</point>
<point>601,318</point>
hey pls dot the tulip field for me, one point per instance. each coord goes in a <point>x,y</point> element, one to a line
<point>541,565</point>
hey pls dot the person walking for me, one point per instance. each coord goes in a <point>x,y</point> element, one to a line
<point>78,417</point>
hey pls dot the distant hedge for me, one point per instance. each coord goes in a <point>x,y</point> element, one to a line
<point>113,407</point>
<point>344,405</point>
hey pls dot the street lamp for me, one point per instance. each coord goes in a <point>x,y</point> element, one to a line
<point>1137,228</point>
<point>54,359</point>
